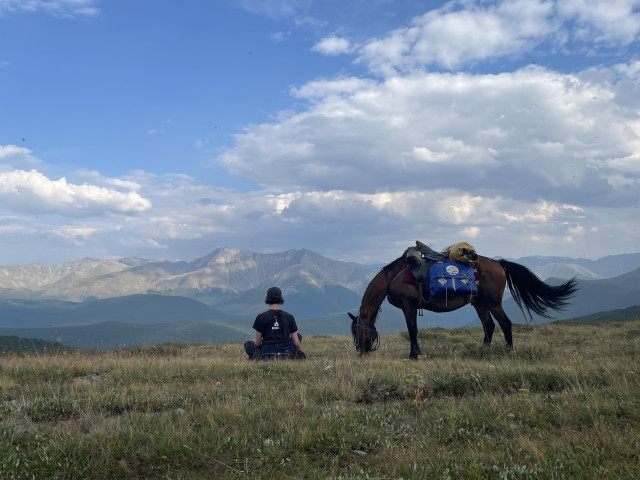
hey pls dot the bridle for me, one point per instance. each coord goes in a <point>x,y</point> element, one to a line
<point>373,345</point>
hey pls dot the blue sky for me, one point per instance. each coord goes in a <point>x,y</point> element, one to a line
<point>167,129</point>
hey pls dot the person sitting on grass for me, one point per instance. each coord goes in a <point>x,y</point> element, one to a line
<point>277,334</point>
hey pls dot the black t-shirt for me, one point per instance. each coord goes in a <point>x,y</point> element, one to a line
<point>276,326</point>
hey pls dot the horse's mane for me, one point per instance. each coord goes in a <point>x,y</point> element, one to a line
<point>393,264</point>
<point>386,269</point>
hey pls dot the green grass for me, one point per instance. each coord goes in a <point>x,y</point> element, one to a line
<point>565,403</point>
<point>14,344</point>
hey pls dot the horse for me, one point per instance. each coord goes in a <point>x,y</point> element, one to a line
<point>526,289</point>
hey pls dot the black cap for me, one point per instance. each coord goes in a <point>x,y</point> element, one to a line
<point>274,295</point>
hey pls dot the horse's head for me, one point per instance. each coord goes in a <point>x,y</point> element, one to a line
<point>365,337</point>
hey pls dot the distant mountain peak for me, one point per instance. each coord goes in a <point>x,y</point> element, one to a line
<point>232,270</point>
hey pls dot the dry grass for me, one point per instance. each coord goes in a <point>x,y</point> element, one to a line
<point>564,404</point>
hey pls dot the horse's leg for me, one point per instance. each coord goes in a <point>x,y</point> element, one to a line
<point>411,317</point>
<point>493,280</point>
<point>487,322</point>
<point>503,321</point>
<point>406,297</point>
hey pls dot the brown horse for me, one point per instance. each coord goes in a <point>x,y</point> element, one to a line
<point>525,287</point>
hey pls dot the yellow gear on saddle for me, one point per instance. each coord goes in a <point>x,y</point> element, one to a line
<point>461,252</point>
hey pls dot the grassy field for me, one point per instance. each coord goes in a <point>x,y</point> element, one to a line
<point>565,403</point>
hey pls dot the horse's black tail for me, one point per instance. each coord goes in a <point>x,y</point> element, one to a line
<point>537,296</point>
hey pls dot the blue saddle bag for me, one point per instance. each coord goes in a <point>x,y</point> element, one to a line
<point>451,278</point>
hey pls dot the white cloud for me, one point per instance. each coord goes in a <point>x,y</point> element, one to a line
<point>332,46</point>
<point>57,8</point>
<point>338,86</point>
<point>631,70</point>
<point>423,153</point>
<point>15,157</point>
<point>73,232</point>
<point>187,219</point>
<point>470,232</point>
<point>32,192</point>
<point>279,37</point>
<point>452,35</point>
<point>463,32</point>
<point>95,178</point>
<point>613,22</point>
<point>528,161</point>
<point>12,150</point>
<point>565,135</point>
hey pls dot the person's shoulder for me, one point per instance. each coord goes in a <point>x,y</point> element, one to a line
<point>286,314</point>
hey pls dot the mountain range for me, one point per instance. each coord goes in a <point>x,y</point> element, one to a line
<point>223,271</point>
<point>110,303</point>
<point>585,269</point>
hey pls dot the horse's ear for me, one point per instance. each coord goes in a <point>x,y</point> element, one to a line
<point>353,319</point>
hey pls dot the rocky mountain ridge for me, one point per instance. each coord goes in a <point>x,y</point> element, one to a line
<point>223,270</point>
<point>232,271</point>
<point>564,267</point>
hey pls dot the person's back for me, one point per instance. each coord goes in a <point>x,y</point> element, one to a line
<point>276,330</point>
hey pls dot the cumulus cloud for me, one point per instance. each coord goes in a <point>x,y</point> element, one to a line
<point>332,46</point>
<point>377,222</point>
<point>57,8</point>
<point>413,150</point>
<point>7,151</point>
<point>279,37</point>
<point>32,192</point>
<point>75,233</point>
<point>451,35</point>
<point>187,218</point>
<point>15,157</point>
<point>543,155</point>
<point>338,86</point>
<point>480,133</point>
<point>614,22</point>
<point>95,178</point>
<point>461,32</point>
